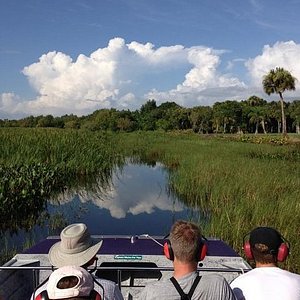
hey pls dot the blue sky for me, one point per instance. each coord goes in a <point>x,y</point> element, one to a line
<point>76,56</point>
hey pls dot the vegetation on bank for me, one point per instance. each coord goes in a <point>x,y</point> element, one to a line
<point>37,163</point>
<point>23,191</point>
<point>253,115</point>
<point>239,182</point>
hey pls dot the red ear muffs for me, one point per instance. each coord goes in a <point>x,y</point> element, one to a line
<point>168,251</point>
<point>283,252</point>
<point>247,251</point>
<point>200,253</point>
<point>42,296</point>
<point>95,295</point>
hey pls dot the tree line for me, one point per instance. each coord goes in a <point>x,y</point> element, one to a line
<point>254,115</point>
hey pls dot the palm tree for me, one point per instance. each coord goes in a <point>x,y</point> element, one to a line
<point>277,81</point>
<point>274,114</point>
<point>256,101</point>
<point>295,114</point>
<point>257,116</point>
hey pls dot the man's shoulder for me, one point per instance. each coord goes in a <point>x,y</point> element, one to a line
<point>154,289</point>
<point>289,274</point>
<point>265,272</point>
<point>109,287</point>
<point>104,282</point>
<point>214,279</point>
<point>205,279</point>
<point>247,277</point>
<point>161,283</point>
<point>240,278</point>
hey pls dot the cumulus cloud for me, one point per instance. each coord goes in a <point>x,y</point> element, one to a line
<point>281,54</point>
<point>8,100</point>
<point>120,76</point>
<point>202,78</point>
<point>161,56</point>
<point>124,76</point>
<point>9,105</point>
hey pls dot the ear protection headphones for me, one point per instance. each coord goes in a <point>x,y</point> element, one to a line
<point>44,296</point>
<point>282,251</point>
<point>200,251</point>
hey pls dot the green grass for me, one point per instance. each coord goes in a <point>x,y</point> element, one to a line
<point>36,163</point>
<point>237,190</point>
<point>76,151</point>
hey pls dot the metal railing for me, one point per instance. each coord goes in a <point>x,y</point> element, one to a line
<point>36,269</point>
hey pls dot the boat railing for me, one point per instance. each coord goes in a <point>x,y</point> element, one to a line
<point>119,270</point>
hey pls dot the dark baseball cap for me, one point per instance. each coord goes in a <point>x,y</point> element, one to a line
<point>267,236</point>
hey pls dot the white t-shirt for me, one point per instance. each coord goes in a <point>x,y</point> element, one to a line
<point>267,283</point>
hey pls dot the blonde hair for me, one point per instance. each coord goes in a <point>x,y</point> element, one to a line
<point>185,238</point>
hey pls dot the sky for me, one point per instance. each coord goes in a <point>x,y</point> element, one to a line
<point>76,56</point>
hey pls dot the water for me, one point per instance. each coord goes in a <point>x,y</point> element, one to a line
<point>135,201</point>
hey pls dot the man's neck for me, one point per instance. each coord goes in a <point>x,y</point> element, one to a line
<point>261,265</point>
<point>183,268</point>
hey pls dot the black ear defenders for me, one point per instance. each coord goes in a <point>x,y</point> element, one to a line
<point>200,252</point>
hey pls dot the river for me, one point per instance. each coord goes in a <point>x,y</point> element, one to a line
<point>136,200</point>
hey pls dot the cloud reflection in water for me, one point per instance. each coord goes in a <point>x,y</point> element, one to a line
<point>134,189</point>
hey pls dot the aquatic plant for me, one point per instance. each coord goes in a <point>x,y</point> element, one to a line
<point>37,163</point>
<point>24,191</point>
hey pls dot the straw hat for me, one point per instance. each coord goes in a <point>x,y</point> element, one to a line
<point>75,248</point>
<point>82,288</point>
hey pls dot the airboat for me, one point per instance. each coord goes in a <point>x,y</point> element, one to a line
<point>130,261</point>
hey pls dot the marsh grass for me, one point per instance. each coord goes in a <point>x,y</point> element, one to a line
<point>237,185</point>
<point>37,163</point>
<point>236,189</point>
<point>75,151</point>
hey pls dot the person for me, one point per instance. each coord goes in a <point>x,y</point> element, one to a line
<point>70,282</point>
<point>266,247</point>
<point>185,247</point>
<point>77,248</point>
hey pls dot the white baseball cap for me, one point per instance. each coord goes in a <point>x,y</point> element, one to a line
<point>83,287</point>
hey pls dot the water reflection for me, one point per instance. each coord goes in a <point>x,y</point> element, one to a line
<point>135,201</point>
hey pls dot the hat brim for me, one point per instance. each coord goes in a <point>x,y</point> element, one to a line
<point>59,259</point>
